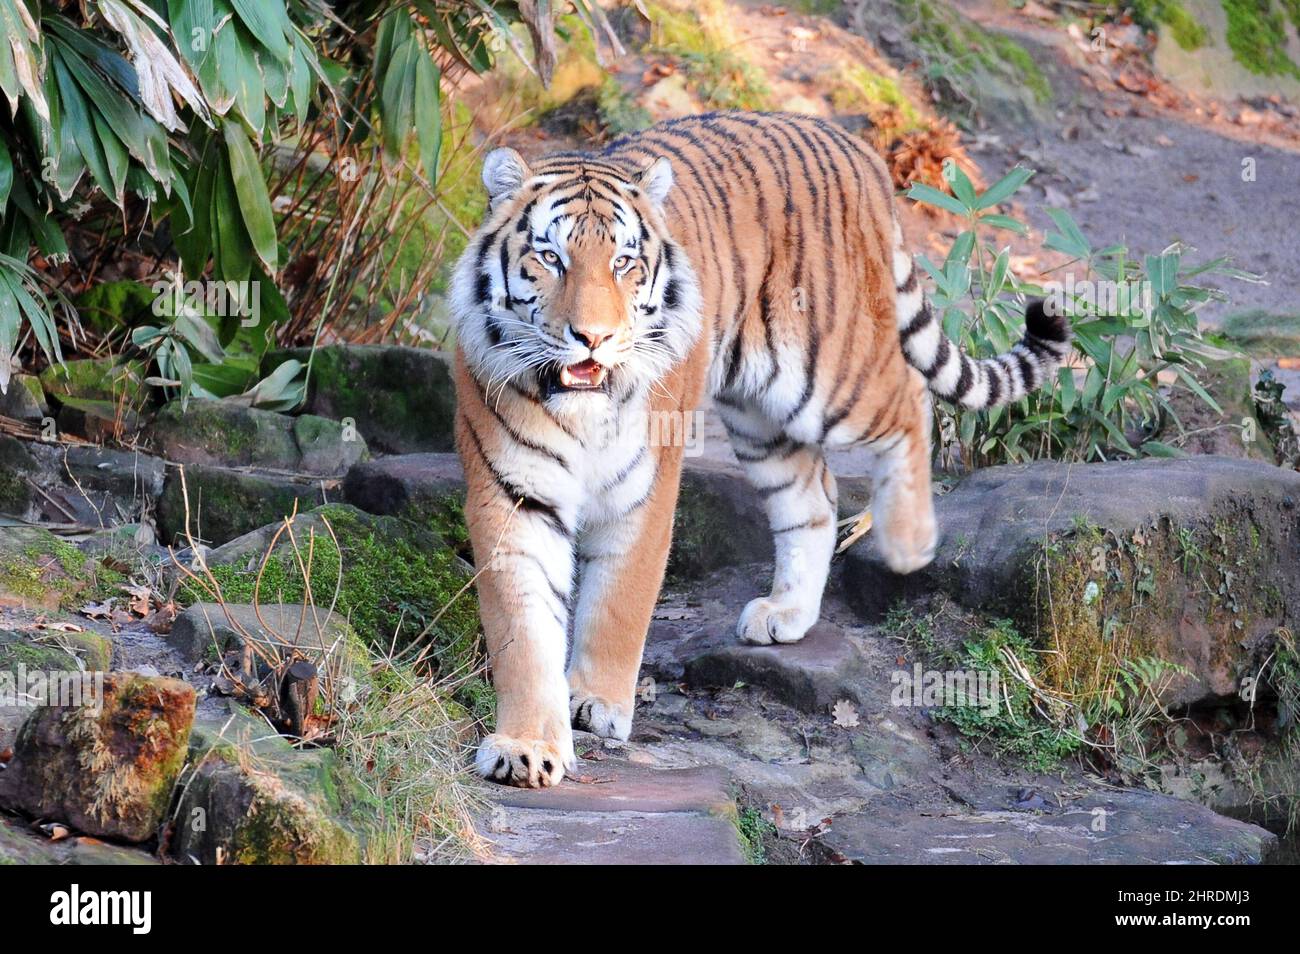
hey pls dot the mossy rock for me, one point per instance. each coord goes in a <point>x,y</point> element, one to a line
<point>39,569</point>
<point>252,798</point>
<point>95,379</point>
<point>719,522</point>
<point>328,640</point>
<point>223,433</point>
<point>225,503</point>
<point>55,651</point>
<point>24,400</point>
<point>16,465</point>
<point>1264,334</point>
<point>107,769</point>
<point>400,582</point>
<point>426,489</point>
<point>1195,562</point>
<point>98,420</point>
<point>1236,432</point>
<point>21,846</point>
<point>984,66</point>
<point>401,400</point>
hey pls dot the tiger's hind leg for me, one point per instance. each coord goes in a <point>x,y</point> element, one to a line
<point>903,504</point>
<point>798,492</point>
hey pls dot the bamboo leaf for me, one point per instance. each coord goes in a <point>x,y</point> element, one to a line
<point>250,186</point>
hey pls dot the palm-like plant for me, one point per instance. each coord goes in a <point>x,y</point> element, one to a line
<point>187,119</point>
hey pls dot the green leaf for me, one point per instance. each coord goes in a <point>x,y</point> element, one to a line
<point>1069,239</point>
<point>428,115</point>
<point>231,251</point>
<point>268,21</point>
<point>250,187</point>
<point>1004,188</point>
<point>1067,389</point>
<point>1005,222</point>
<point>6,176</point>
<point>920,192</point>
<point>1157,449</point>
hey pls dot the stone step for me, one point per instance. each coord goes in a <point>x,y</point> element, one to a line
<point>1129,827</point>
<point>618,812</point>
<point>811,675</point>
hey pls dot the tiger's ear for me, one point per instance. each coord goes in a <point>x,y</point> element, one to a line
<point>504,171</point>
<point>656,179</point>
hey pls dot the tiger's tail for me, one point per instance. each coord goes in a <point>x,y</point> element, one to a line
<point>976,382</point>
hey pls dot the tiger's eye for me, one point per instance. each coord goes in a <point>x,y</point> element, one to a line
<point>622,262</point>
<point>550,257</point>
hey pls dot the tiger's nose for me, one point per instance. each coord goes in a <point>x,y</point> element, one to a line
<point>592,339</point>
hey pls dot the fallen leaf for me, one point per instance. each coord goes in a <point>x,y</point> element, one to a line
<point>846,714</point>
<point>54,831</point>
<point>102,610</point>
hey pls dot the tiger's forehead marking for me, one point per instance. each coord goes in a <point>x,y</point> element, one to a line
<point>581,198</point>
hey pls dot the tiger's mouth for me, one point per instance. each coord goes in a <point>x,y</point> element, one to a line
<point>586,375</point>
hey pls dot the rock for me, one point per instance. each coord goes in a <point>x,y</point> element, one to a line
<point>222,433</point>
<point>55,649</point>
<point>719,522</point>
<point>25,847</point>
<point>811,675</point>
<point>401,399</point>
<point>1116,827</point>
<point>17,469</point>
<point>29,657</point>
<point>397,578</point>
<point>209,630</point>
<point>95,379</point>
<point>1199,557</point>
<point>415,486</point>
<point>617,812</point>
<point>428,489</point>
<point>1234,433</point>
<point>1263,334</point>
<point>98,421</point>
<point>25,400</point>
<point>107,770</point>
<point>249,797</point>
<point>39,569</point>
<point>95,486</point>
<point>226,503</point>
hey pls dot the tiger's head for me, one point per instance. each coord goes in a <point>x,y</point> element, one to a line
<point>573,287</point>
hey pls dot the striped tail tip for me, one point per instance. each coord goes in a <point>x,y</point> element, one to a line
<point>1044,322</point>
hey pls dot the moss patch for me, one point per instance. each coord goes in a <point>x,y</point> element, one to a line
<point>1186,30</point>
<point>715,70</point>
<point>1191,595</point>
<point>39,569</point>
<point>968,64</point>
<point>1264,334</point>
<point>95,379</point>
<point>263,802</point>
<point>225,504</point>
<point>399,584</point>
<point>1258,38</point>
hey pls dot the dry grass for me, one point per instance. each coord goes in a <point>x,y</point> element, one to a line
<point>394,728</point>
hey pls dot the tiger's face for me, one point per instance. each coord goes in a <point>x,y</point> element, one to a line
<point>573,287</point>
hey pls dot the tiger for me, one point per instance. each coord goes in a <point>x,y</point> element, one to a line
<point>753,260</point>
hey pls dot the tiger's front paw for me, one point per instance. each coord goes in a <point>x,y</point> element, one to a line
<point>768,621</point>
<point>591,713</point>
<point>527,763</point>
